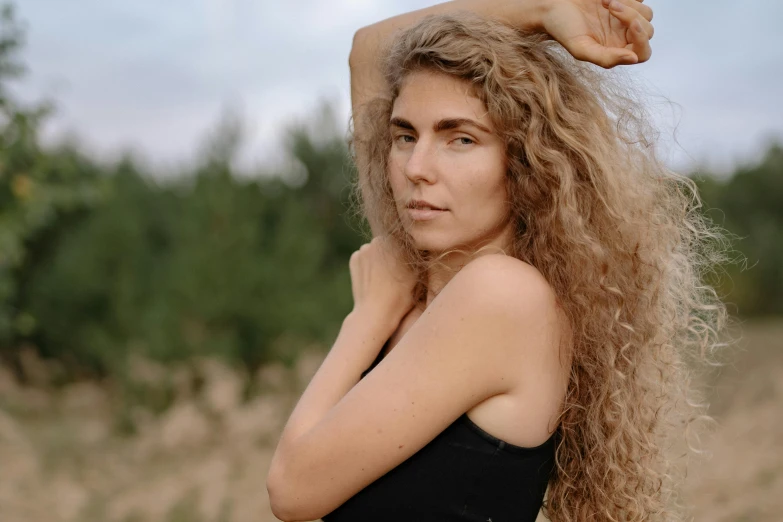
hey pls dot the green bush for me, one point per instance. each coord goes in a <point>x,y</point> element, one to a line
<point>101,261</point>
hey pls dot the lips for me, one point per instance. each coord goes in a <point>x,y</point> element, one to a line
<point>420,210</point>
<point>419,204</point>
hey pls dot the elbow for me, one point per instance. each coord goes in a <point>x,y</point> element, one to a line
<point>282,514</point>
<point>354,58</point>
<point>278,503</point>
<point>289,512</point>
<point>284,505</point>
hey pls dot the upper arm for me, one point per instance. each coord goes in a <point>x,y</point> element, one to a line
<point>367,85</point>
<point>367,80</point>
<point>466,347</point>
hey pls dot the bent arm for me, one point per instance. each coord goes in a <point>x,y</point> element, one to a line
<point>369,42</point>
<point>339,372</point>
<point>490,329</point>
<point>597,31</point>
<point>606,34</point>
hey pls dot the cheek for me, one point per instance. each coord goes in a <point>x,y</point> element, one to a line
<point>487,186</point>
<point>395,179</point>
<point>496,181</point>
<point>499,196</point>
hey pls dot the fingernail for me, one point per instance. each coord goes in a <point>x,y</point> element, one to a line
<point>638,27</point>
<point>615,5</point>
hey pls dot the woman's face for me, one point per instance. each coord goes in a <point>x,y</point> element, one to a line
<point>445,153</point>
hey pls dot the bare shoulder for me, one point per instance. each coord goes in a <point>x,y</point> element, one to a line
<point>506,283</point>
<point>521,307</point>
<point>472,350</point>
<point>514,298</point>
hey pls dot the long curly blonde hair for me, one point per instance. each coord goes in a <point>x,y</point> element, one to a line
<point>617,235</point>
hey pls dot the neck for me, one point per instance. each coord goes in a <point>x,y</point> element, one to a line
<point>447,266</point>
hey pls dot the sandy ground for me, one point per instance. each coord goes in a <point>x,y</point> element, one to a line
<point>205,458</point>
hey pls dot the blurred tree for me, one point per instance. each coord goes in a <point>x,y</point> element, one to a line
<point>39,191</point>
<point>101,261</point>
<point>210,264</point>
<point>750,205</point>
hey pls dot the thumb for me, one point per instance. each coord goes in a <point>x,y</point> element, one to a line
<point>588,50</point>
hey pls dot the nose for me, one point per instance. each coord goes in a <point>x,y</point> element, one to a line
<point>420,166</point>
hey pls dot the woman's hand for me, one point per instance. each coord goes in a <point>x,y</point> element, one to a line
<point>604,32</point>
<point>382,284</point>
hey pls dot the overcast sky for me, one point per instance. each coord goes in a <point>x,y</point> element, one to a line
<point>154,75</point>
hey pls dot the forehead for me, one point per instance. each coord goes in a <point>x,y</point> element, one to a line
<point>429,95</point>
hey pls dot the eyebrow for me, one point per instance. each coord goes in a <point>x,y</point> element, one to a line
<point>442,125</point>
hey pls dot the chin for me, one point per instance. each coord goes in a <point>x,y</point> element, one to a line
<point>434,243</point>
<point>437,241</point>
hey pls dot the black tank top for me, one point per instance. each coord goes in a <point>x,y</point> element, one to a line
<point>463,474</point>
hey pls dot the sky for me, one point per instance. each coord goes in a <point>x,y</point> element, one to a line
<point>155,76</point>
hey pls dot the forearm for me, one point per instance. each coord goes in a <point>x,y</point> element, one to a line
<point>369,44</point>
<point>358,343</point>
<point>523,14</point>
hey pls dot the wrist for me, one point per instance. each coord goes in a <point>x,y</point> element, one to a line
<point>534,15</point>
<point>371,322</point>
<point>526,15</point>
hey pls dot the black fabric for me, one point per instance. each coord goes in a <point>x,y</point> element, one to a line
<point>463,474</point>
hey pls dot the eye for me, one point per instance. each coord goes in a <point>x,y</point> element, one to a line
<point>464,140</point>
<point>404,138</point>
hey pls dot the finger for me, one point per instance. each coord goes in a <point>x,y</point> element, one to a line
<point>636,5</point>
<point>627,16</point>
<point>589,50</point>
<point>640,42</point>
<point>639,7</point>
<point>649,30</point>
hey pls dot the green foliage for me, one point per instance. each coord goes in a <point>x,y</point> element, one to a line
<point>750,205</point>
<point>98,262</point>
<point>37,190</point>
<point>208,264</point>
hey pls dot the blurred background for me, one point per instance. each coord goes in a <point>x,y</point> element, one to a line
<point>175,225</point>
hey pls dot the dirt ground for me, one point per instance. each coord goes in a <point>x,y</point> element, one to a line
<point>63,458</point>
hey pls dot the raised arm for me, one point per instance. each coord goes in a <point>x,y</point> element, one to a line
<point>368,42</point>
<point>598,31</point>
<point>367,80</point>
<point>343,436</point>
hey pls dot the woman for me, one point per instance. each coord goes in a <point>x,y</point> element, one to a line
<point>522,316</point>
